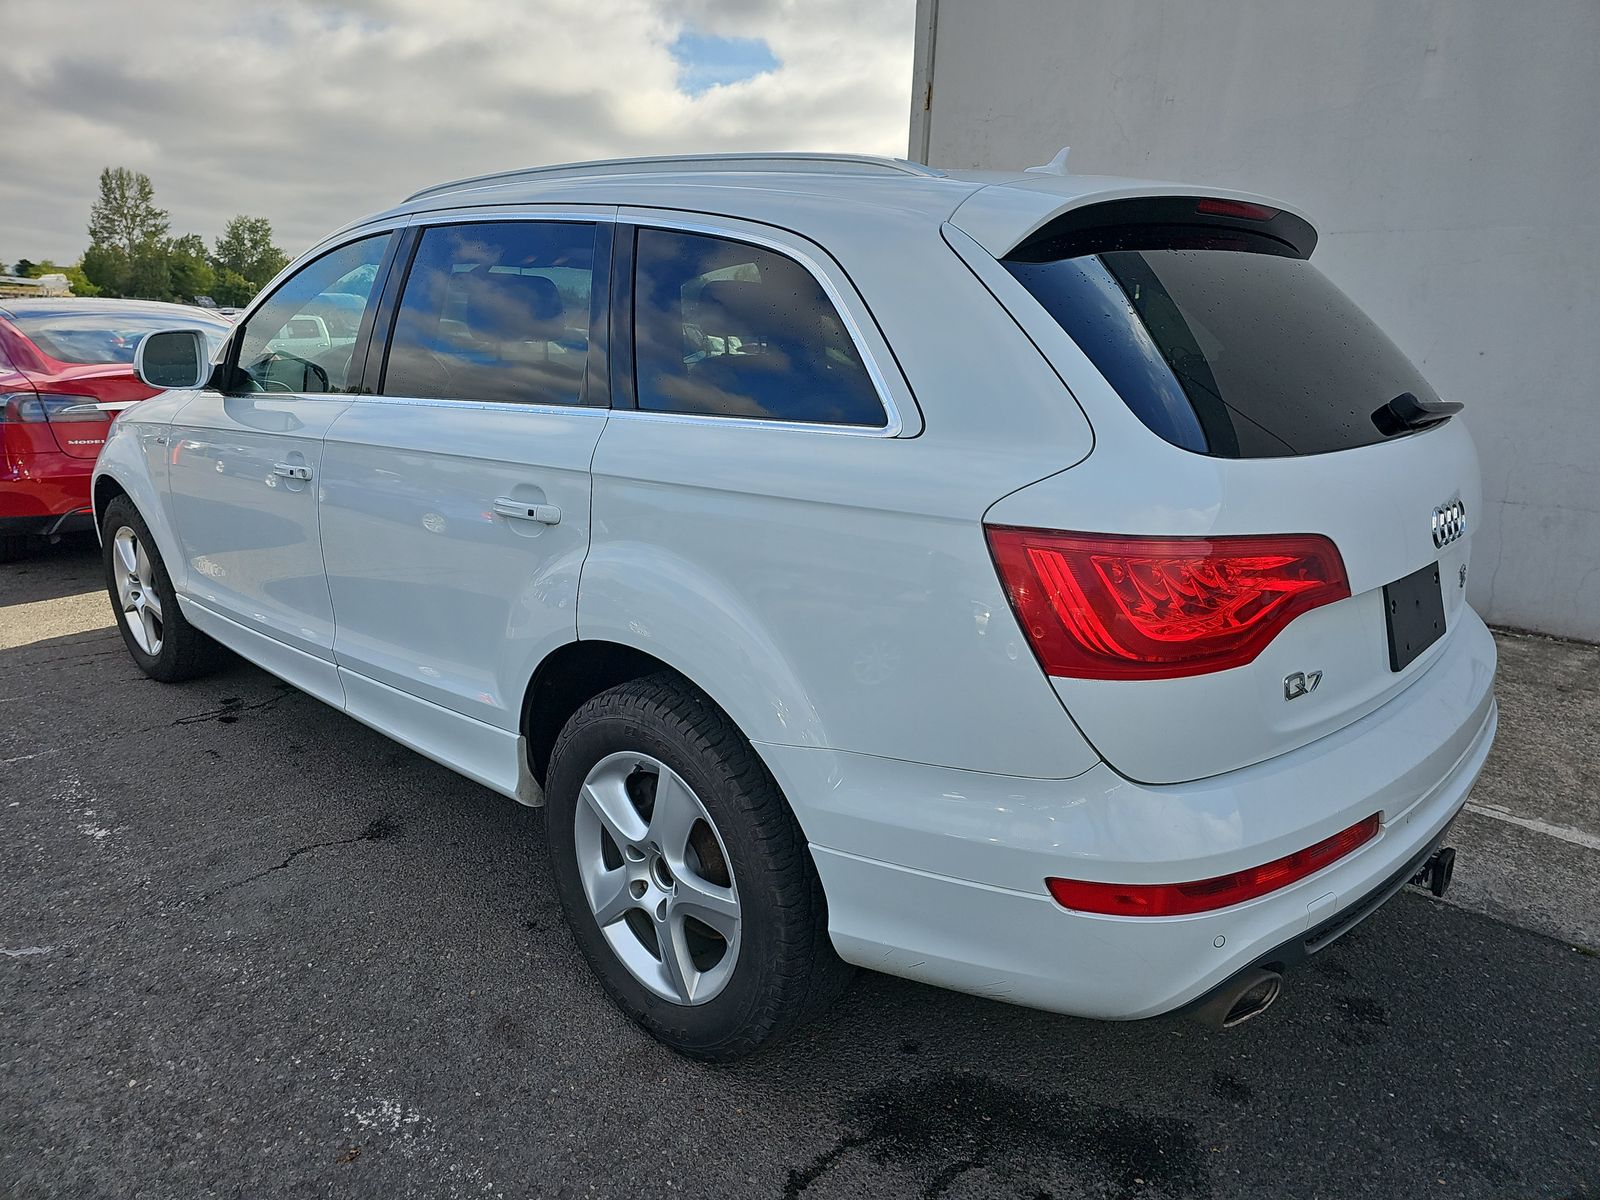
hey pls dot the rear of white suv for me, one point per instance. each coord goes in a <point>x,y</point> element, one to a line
<point>1041,586</point>
<point>1250,599</point>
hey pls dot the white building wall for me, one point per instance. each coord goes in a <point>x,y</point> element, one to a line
<point>1449,153</point>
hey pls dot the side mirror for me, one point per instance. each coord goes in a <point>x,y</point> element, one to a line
<point>173,358</point>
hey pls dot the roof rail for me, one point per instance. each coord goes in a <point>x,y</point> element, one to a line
<point>780,161</point>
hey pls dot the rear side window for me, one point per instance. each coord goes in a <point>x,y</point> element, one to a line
<point>1242,351</point>
<point>723,328</point>
<point>495,312</point>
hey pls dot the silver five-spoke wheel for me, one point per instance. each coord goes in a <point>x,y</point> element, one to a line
<point>136,591</point>
<point>657,877</point>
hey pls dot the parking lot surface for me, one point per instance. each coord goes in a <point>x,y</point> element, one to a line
<point>251,948</point>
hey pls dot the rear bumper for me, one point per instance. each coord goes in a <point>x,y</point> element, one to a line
<point>80,521</point>
<point>939,875</point>
<point>39,491</point>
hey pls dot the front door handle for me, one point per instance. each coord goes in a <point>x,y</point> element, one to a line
<point>290,471</point>
<point>545,514</point>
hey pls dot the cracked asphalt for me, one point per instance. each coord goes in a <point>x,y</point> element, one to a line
<point>249,948</point>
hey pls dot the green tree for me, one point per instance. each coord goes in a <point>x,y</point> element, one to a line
<point>232,290</point>
<point>126,215</point>
<point>246,249</point>
<point>190,273</point>
<point>149,277</point>
<point>23,268</point>
<point>109,269</point>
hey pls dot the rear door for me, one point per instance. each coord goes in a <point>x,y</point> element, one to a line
<point>455,499</point>
<point>1235,393</point>
<point>245,468</point>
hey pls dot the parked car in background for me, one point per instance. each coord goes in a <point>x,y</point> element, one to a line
<point>1051,587</point>
<point>66,369</point>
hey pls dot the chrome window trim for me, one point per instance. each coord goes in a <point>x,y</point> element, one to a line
<point>486,405</point>
<point>804,252</point>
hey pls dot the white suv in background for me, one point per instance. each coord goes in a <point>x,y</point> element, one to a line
<point>1045,586</point>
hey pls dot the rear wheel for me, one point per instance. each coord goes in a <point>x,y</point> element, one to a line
<point>683,875</point>
<point>163,644</point>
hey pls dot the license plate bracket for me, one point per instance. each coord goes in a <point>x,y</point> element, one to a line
<point>1413,606</point>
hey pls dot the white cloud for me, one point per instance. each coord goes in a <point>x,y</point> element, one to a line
<point>313,113</point>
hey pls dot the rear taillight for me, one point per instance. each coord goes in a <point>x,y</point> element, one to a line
<point>1096,606</point>
<point>26,408</point>
<point>1204,895</point>
<point>1212,206</point>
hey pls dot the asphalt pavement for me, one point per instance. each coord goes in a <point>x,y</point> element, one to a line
<point>250,948</point>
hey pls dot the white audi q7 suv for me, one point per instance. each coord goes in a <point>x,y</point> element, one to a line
<point>1045,586</point>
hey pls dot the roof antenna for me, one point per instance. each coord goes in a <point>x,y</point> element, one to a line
<point>1056,166</point>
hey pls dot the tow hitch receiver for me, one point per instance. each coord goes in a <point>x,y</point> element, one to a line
<point>1436,872</point>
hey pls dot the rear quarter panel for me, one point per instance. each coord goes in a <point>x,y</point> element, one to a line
<point>832,589</point>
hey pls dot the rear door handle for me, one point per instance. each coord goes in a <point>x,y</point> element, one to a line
<point>290,471</point>
<point>545,514</point>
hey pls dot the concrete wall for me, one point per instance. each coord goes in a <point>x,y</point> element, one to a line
<point>1449,152</point>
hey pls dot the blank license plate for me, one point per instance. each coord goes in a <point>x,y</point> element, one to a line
<point>1414,609</point>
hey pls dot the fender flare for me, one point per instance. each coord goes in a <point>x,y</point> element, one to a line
<point>634,594</point>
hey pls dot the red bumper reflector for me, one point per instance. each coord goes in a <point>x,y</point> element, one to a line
<point>1203,895</point>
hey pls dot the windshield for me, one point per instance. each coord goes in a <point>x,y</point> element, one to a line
<point>109,337</point>
<point>1229,353</point>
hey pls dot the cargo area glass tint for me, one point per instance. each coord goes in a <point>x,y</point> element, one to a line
<point>723,328</point>
<point>495,311</point>
<point>1232,353</point>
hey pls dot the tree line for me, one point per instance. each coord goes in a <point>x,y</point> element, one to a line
<point>132,251</point>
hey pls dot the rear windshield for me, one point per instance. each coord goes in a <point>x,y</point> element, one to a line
<point>1228,352</point>
<point>107,337</point>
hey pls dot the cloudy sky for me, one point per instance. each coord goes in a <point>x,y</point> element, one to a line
<point>313,112</point>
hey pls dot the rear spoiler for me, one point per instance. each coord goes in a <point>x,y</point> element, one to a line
<point>1021,217</point>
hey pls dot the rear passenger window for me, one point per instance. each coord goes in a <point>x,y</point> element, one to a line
<point>726,329</point>
<point>495,312</point>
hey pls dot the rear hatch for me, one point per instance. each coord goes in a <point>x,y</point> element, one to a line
<point>1271,538</point>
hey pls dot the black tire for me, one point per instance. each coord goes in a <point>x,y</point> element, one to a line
<point>14,546</point>
<point>786,970</point>
<point>184,652</point>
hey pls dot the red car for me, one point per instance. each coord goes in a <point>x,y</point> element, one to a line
<point>66,368</point>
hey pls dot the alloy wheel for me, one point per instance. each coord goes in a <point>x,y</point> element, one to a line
<point>657,877</point>
<point>136,591</point>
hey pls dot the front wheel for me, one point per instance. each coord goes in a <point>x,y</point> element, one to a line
<point>683,874</point>
<point>163,644</point>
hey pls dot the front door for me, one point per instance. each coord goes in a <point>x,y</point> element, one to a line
<point>244,470</point>
<point>455,510</point>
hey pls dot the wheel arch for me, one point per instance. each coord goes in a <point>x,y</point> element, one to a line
<point>106,489</point>
<point>575,672</point>
<point>128,468</point>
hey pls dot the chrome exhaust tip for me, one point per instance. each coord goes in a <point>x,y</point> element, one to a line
<point>1243,998</point>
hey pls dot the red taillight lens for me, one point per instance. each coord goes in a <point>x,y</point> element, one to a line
<point>27,408</point>
<point>1203,895</point>
<point>1102,607</point>
<point>1213,207</point>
